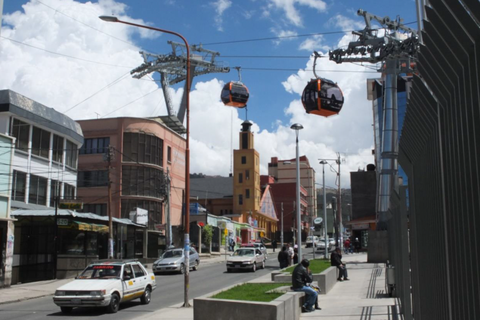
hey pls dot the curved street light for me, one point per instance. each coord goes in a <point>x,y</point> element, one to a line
<point>187,150</point>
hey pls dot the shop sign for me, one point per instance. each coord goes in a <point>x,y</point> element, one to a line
<point>70,205</point>
<point>62,222</point>
<point>318,221</point>
<point>360,226</point>
<point>139,216</point>
<point>159,226</point>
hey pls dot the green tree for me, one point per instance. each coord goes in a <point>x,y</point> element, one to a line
<point>207,235</point>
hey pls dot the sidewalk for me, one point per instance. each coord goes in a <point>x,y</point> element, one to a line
<point>363,297</point>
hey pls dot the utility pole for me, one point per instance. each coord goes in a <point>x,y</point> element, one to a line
<point>168,227</point>
<point>109,157</point>
<point>281,224</point>
<point>339,207</point>
<point>57,200</point>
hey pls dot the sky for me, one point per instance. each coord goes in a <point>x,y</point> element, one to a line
<point>59,53</point>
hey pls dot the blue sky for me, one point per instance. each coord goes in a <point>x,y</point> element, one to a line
<point>59,53</point>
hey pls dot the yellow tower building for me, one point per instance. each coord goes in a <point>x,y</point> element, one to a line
<point>247,192</point>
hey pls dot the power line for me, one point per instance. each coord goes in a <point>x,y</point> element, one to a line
<point>91,96</point>
<point>276,38</point>
<point>64,55</point>
<point>89,26</point>
<point>130,102</point>
<point>292,69</point>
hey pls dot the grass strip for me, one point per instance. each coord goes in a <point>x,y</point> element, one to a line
<point>316,266</point>
<point>252,292</point>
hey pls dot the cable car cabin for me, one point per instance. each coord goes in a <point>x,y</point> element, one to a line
<point>322,97</point>
<point>235,94</point>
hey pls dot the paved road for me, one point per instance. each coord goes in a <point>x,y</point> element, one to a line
<point>169,291</point>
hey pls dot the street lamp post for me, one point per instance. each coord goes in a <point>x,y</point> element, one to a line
<point>187,150</point>
<point>323,163</point>
<point>297,127</point>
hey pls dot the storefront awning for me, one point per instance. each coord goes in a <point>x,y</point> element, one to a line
<point>83,226</point>
<point>70,213</point>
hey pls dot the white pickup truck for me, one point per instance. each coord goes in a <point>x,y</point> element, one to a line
<point>107,284</point>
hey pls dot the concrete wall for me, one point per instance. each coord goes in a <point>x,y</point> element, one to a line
<point>285,307</point>
<point>69,266</point>
<point>377,246</point>
<point>326,280</point>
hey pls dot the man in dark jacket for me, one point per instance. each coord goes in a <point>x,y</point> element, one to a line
<point>301,276</point>
<point>336,261</point>
<point>283,258</point>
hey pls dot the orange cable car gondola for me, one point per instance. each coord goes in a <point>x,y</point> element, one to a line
<point>235,93</point>
<point>321,96</point>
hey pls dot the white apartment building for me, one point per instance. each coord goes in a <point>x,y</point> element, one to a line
<point>46,151</point>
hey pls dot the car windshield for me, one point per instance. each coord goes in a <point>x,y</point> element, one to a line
<point>244,252</point>
<point>101,272</point>
<point>173,254</point>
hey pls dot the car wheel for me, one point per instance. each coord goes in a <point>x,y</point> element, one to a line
<point>182,268</point>
<point>114,303</point>
<point>147,296</point>
<point>254,267</point>
<point>229,270</point>
<point>197,264</point>
<point>66,309</point>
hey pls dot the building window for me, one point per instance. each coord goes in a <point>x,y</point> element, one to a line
<point>97,208</point>
<point>57,149</point>
<point>240,178</point>
<point>141,147</point>
<point>21,131</point>
<point>69,192</point>
<point>169,154</point>
<point>247,194</point>
<point>40,142</point>
<point>54,189</point>
<point>240,199</point>
<point>244,160</point>
<point>247,174</point>
<point>38,190</point>
<point>142,181</point>
<point>18,185</point>
<point>154,210</point>
<point>71,155</point>
<point>95,145</point>
<point>87,179</point>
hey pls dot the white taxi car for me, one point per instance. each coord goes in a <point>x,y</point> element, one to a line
<point>246,258</point>
<point>106,284</point>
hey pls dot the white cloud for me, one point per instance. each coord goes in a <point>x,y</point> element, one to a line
<point>62,82</point>
<point>291,12</point>
<point>283,35</point>
<point>345,23</point>
<point>315,43</point>
<point>220,6</point>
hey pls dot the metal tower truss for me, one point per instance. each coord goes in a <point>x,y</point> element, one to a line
<point>172,69</point>
<point>394,50</point>
<point>398,42</point>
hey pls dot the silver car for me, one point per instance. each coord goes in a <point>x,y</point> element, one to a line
<point>174,261</point>
<point>246,258</point>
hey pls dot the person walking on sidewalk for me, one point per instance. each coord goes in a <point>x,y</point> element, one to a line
<point>283,258</point>
<point>336,261</point>
<point>301,277</point>
<point>274,245</point>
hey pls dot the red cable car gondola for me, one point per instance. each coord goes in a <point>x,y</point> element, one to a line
<point>235,94</point>
<point>322,96</point>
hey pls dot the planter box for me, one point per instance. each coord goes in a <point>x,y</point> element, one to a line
<point>285,307</point>
<point>326,280</point>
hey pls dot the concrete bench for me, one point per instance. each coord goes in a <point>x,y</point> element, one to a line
<point>326,279</point>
